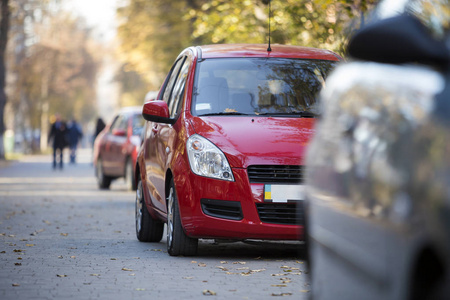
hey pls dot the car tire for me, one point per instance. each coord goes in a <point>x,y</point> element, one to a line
<point>129,175</point>
<point>103,181</point>
<point>147,228</point>
<point>178,243</point>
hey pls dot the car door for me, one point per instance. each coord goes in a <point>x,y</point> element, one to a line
<point>117,137</point>
<point>158,146</point>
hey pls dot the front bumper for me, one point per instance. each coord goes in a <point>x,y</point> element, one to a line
<point>213,208</point>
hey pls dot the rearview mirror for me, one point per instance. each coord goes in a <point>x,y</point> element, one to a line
<point>157,111</point>
<point>400,39</point>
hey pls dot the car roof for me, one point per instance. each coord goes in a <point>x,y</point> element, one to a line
<point>130,109</point>
<point>260,50</point>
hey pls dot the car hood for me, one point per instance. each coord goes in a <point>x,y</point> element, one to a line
<point>258,140</point>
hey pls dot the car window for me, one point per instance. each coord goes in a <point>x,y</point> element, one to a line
<point>258,86</point>
<point>172,79</point>
<point>138,124</point>
<point>175,102</point>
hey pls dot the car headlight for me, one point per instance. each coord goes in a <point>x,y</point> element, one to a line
<point>207,160</point>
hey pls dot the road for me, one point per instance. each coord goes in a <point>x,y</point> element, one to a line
<point>62,238</point>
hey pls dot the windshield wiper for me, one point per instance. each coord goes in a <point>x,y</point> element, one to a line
<point>303,114</point>
<point>224,114</point>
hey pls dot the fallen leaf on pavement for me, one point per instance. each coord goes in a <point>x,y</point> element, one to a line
<point>139,289</point>
<point>15,284</point>
<point>126,269</point>
<point>189,277</point>
<point>304,291</point>
<point>18,264</point>
<point>30,245</point>
<point>282,294</point>
<point>223,262</point>
<point>60,275</point>
<point>279,285</point>
<point>64,234</point>
<point>209,293</point>
<point>95,274</point>
<point>202,265</point>
<point>239,262</point>
<point>222,268</point>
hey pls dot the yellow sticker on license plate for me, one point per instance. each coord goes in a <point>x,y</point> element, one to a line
<point>283,193</point>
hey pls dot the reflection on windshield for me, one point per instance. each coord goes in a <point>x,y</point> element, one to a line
<point>257,86</point>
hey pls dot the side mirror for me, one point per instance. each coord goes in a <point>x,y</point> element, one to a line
<point>157,111</point>
<point>119,132</point>
<point>400,39</point>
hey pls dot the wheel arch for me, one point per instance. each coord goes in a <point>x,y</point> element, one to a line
<point>427,271</point>
<point>169,177</point>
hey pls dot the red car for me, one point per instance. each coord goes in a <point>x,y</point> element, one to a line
<point>223,147</point>
<point>116,148</point>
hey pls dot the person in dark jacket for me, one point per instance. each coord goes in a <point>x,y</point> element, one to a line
<point>74,135</point>
<point>58,135</point>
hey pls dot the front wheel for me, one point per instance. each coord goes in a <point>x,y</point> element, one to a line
<point>147,228</point>
<point>103,181</point>
<point>178,243</point>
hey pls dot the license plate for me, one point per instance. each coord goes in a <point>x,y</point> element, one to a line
<point>283,193</point>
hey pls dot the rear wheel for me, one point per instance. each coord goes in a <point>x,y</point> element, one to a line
<point>103,181</point>
<point>178,243</point>
<point>147,228</point>
<point>129,175</point>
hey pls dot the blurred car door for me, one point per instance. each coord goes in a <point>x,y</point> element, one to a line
<point>114,161</point>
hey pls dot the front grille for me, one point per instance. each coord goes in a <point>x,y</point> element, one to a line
<point>230,210</point>
<point>275,174</point>
<point>281,213</point>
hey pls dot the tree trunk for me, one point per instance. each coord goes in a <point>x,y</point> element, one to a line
<point>4,27</point>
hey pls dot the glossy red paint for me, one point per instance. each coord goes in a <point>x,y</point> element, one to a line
<point>156,108</point>
<point>257,140</point>
<point>244,140</point>
<point>259,50</point>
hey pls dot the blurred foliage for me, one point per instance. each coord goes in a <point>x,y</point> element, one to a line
<point>154,32</point>
<point>52,65</point>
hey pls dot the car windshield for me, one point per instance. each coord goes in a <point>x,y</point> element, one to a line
<point>259,86</point>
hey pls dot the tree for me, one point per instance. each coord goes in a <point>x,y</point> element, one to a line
<point>53,70</point>
<point>4,27</point>
<point>154,32</point>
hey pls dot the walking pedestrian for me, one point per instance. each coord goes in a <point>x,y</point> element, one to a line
<point>98,128</point>
<point>57,133</point>
<point>74,135</point>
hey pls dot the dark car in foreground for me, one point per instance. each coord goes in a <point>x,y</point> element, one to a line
<point>378,168</point>
<point>224,143</point>
<point>116,148</point>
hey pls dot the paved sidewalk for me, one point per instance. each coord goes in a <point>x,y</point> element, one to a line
<point>62,238</point>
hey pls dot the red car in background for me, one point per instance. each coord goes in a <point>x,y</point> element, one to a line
<point>224,144</point>
<point>116,148</point>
